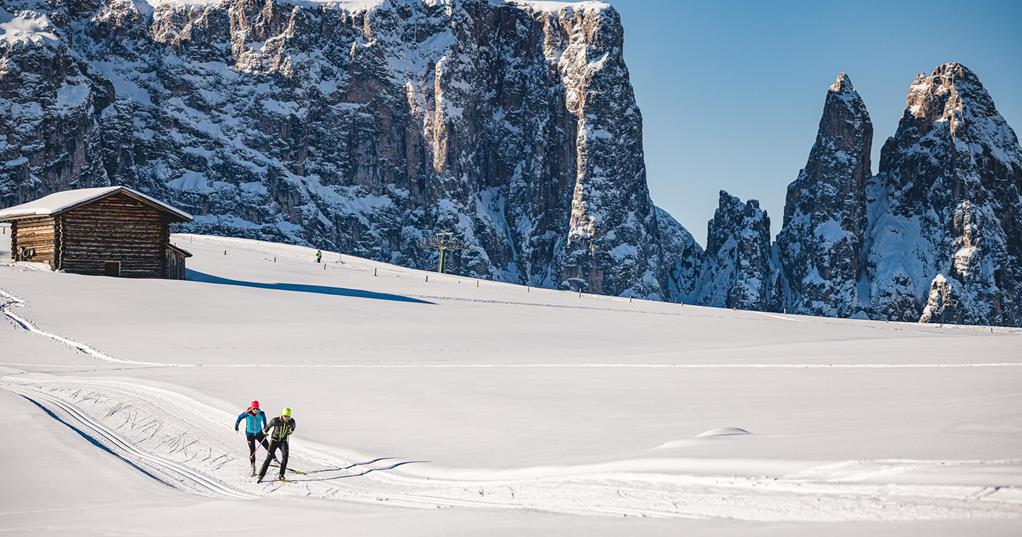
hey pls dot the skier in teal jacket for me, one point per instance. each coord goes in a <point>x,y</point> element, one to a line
<point>255,421</point>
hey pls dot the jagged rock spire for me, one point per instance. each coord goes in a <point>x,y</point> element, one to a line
<point>945,240</point>
<point>820,243</point>
<point>738,270</point>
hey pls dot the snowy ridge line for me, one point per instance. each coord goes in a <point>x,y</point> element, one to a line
<point>359,264</point>
<point>603,490</point>
<point>897,326</point>
<point>81,347</point>
<point>86,349</point>
<point>205,485</point>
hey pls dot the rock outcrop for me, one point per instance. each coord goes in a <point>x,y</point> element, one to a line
<point>738,269</point>
<point>820,245</point>
<point>358,126</point>
<point>945,232</point>
<point>683,256</point>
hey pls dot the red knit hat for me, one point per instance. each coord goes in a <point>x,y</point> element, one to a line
<point>255,405</point>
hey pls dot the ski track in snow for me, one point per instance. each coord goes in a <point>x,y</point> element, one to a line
<point>184,443</point>
<point>12,300</point>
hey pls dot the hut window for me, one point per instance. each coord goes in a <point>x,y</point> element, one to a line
<point>112,268</point>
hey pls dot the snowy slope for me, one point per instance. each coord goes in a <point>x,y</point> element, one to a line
<point>495,401</point>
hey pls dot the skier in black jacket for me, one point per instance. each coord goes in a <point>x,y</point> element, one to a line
<point>282,427</point>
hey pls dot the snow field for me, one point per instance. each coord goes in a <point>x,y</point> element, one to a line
<point>445,394</point>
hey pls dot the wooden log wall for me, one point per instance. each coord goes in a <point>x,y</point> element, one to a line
<point>175,265</point>
<point>117,228</point>
<point>33,233</point>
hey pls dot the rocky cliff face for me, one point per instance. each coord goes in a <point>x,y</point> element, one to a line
<point>365,126</point>
<point>936,236</point>
<point>820,244</point>
<point>360,126</point>
<point>738,268</point>
<point>945,237</point>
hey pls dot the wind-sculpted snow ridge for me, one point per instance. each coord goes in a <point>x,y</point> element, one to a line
<point>359,126</point>
<point>186,444</point>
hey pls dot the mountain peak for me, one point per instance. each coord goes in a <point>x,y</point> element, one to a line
<point>954,71</point>
<point>842,84</point>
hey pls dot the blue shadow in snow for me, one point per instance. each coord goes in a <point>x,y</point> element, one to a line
<point>196,276</point>
<point>92,440</point>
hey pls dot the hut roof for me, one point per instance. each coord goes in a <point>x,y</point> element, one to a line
<point>61,202</point>
<point>179,249</point>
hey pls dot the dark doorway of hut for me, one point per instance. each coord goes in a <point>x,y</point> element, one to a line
<point>112,268</point>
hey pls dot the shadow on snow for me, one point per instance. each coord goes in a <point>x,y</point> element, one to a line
<point>359,474</point>
<point>202,277</point>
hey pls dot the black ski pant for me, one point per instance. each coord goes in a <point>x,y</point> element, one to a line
<point>252,439</point>
<point>274,445</point>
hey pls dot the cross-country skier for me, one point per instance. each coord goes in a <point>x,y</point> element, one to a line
<point>255,420</point>
<point>319,256</point>
<point>282,427</point>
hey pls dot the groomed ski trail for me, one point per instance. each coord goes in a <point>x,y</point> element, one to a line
<point>173,473</point>
<point>190,445</point>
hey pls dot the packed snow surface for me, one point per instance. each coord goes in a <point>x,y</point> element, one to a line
<point>447,405</point>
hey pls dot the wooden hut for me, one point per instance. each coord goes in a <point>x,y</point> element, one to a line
<point>112,231</point>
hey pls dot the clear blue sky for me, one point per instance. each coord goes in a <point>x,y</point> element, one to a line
<point>731,91</point>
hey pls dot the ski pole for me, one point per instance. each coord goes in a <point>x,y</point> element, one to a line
<point>289,468</point>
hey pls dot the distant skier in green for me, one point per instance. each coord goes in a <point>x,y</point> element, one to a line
<point>319,256</point>
<point>282,427</point>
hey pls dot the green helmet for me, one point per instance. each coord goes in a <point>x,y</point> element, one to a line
<point>286,412</point>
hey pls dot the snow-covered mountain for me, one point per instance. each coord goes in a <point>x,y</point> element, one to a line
<point>684,258</point>
<point>355,125</point>
<point>738,268</point>
<point>935,236</point>
<point>820,244</point>
<point>366,125</point>
<point>945,234</point>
